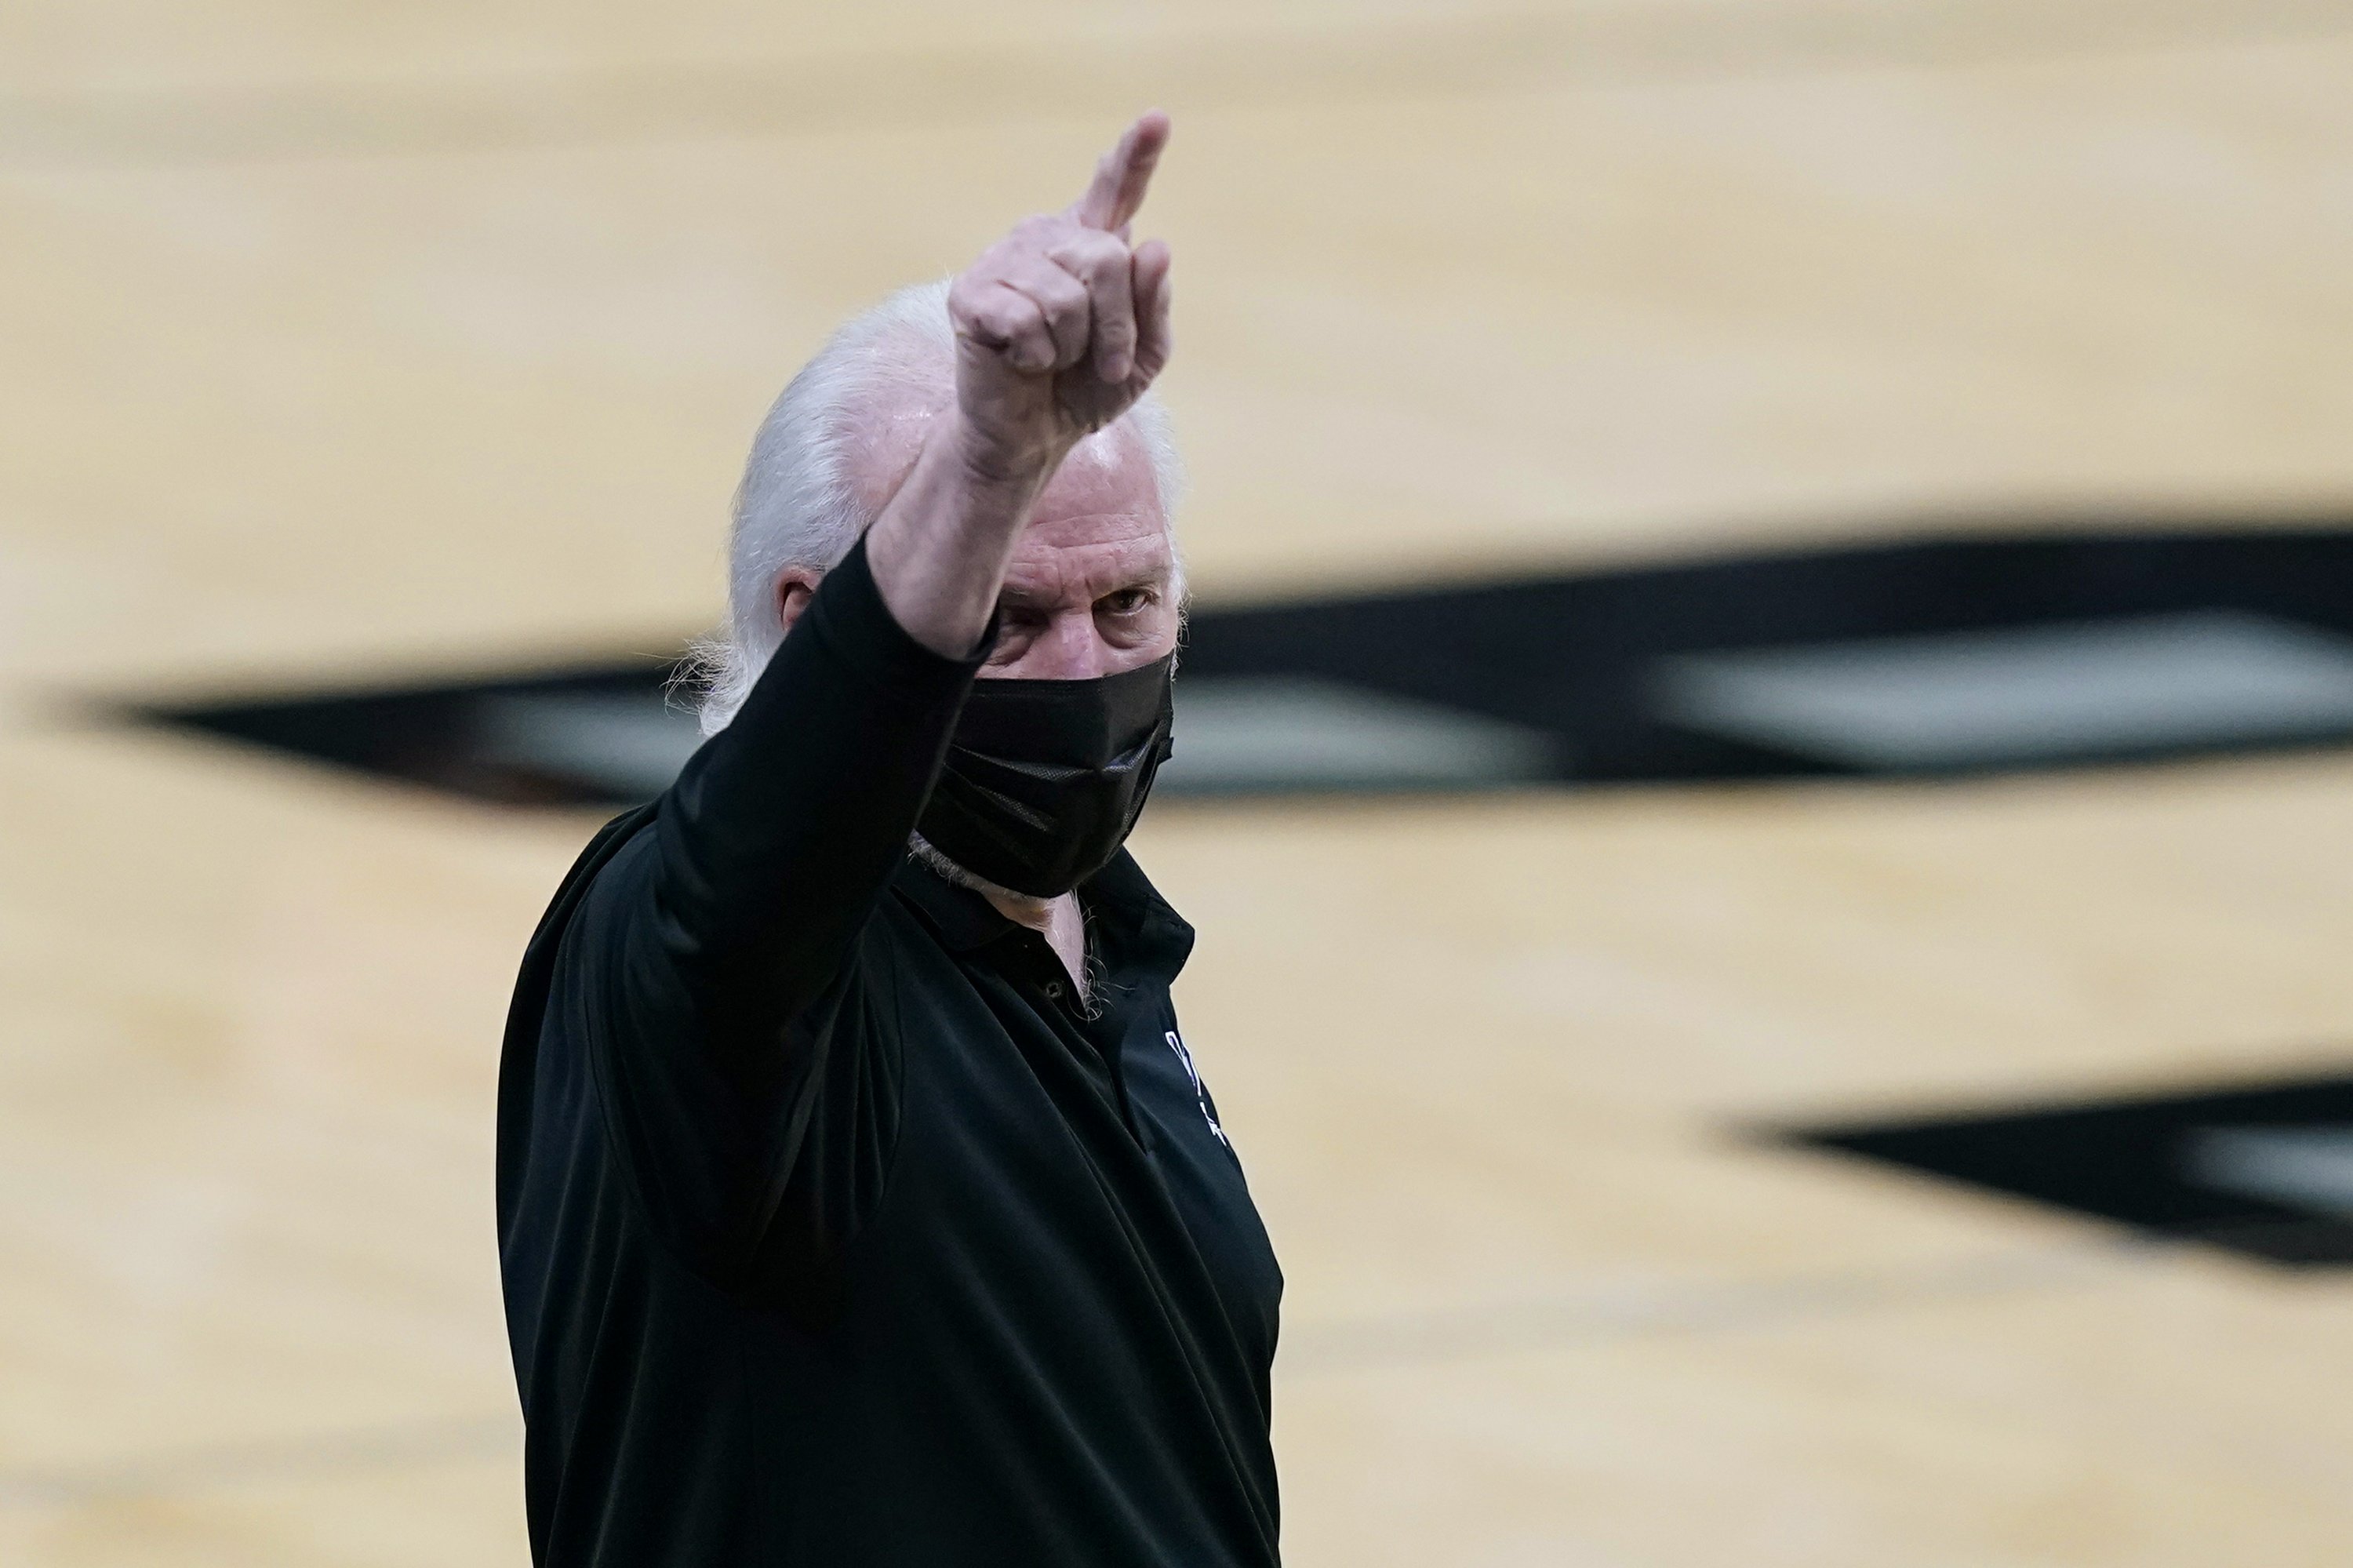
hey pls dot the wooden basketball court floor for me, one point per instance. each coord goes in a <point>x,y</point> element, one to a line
<point>345,340</point>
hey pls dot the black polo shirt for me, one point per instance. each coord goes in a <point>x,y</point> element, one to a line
<point>835,1232</point>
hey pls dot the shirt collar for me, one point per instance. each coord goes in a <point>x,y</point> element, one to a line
<point>1135,924</point>
<point>963,919</point>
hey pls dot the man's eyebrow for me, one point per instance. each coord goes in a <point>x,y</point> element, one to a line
<point>1021,598</point>
<point>1015,598</point>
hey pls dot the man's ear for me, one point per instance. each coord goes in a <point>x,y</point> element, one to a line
<point>794,587</point>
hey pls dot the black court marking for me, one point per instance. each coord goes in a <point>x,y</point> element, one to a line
<point>440,735</point>
<point>2265,1171</point>
<point>1931,658</point>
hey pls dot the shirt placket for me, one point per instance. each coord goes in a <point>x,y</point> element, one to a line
<point>1098,1039</point>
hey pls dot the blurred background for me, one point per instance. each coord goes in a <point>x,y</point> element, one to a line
<point>1763,767</point>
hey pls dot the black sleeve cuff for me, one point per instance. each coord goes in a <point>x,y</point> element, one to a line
<point>848,621</point>
<point>848,614</point>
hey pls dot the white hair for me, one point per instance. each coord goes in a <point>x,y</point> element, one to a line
<point>797,505</point>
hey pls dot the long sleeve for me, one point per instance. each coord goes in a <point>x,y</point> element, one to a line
<point>781,831</point>
<point>706,969</point>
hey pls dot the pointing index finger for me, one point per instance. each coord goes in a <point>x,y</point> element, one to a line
<point>1123,176</point>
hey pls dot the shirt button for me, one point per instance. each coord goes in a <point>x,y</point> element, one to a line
<point>1053,991</point>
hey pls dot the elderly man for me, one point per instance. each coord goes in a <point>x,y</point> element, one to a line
<point>858,1200</point>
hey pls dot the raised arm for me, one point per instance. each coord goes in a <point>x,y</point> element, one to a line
<point>1060,326</point>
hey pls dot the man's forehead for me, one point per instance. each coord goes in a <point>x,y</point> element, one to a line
<point>1109,471</point>
<point>1087,556</point>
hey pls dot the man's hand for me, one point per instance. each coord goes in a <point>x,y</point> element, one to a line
<point>1061,325</point>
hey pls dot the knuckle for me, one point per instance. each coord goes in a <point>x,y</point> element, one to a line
<point>1094,255</point>
<point>1009,319</point>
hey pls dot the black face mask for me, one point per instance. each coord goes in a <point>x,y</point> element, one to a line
<point>1044,778</point>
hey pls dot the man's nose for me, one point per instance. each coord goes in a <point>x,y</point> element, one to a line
<point>1070,649</point>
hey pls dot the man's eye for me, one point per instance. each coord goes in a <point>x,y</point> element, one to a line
<point>1126,601</point>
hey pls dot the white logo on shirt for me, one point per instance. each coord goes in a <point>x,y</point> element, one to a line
<point>1200,1094</point>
